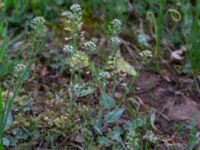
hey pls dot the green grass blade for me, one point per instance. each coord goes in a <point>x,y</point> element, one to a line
<point>1,119</point>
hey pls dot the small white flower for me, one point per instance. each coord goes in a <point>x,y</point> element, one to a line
<point>117,23</point>
<point>150,136</point>
<point>74,16</point>
<point>115,26</point>
<point>38,21</point>
<point>104,75</point>
<point>146,54</point>
<point>68,14</point>
<point>38,25</point>
<point>19,68</point>
<point>65,13</point>
<point>69,49</point>
<point>115,40</point>
<point>90,46</point>
<point>76,8</point>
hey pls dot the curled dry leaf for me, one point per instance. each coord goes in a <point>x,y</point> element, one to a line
<point>123,66</point>
<point>178,55</point>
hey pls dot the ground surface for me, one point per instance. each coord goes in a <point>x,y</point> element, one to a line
<point>161,104</point>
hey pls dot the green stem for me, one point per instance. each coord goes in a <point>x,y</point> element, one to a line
<point>158,31</point>
<point>1,115</point>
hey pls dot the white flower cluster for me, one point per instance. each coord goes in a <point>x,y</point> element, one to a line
<point>68,14</point>
<point>69,49</point>
<point>115,27</point>
<point>73,21</point>
<point>38,21</point>
<point>75,13</point>
<point>19,68</point>
<point>117,24</point>
<point>90,46</point>
<point>146,54</point>
<point>38,25</point>
<point>103,75</point>
<point>76,8</point>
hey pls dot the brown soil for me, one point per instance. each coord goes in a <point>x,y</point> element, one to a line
<point>165,97</point>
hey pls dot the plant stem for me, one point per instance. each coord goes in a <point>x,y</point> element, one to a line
<point>158,30</point>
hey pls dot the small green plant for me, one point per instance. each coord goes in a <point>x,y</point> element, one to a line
<point>73,22</point>
<point>113,137</point>
<point>20,74</point>
<point>114,29</point>
<point>5,65</point>
<point>77,59</point>
<point>193,42</point>
<point>126,135</point>
<point>16,8</point>
<point>7,102</point>
<point>146,56</point>
<point>110,8</point>
<point>115,61</point>
<point>158,24</point>
<point>133,137</point>
<point>193,137</point>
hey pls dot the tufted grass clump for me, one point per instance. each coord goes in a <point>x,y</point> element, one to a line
<point>193,43</point>
<point>158,24</point>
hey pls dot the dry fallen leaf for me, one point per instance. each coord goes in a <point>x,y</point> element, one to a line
<point>79,138</point>
<point>123,66</point>
<point>178,55</point>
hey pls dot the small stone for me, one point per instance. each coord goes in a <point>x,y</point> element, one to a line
<point>138,88</point>
<point>108,75</point>
<point>124,84</point>
<point>78,138</point>
<point>118,95</point>
<point>87,73</point>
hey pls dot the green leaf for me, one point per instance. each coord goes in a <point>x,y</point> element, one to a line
<point>136,123</point>
<point>139,122</point>
<point>35,134</point>
<point>59,2</point>
<point>6,142</point>
<point>82,90</point>
<point>107,102</point>
<point>6,68</point>
<point>1,103</point>
<point>85,92</point>
<point>20,133</point>
<point>102,140</point>
<point>115,133</point>
<point>99,127</point>
<point>9,121</point>
<point>114,115</point>
<point>98,124</point>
